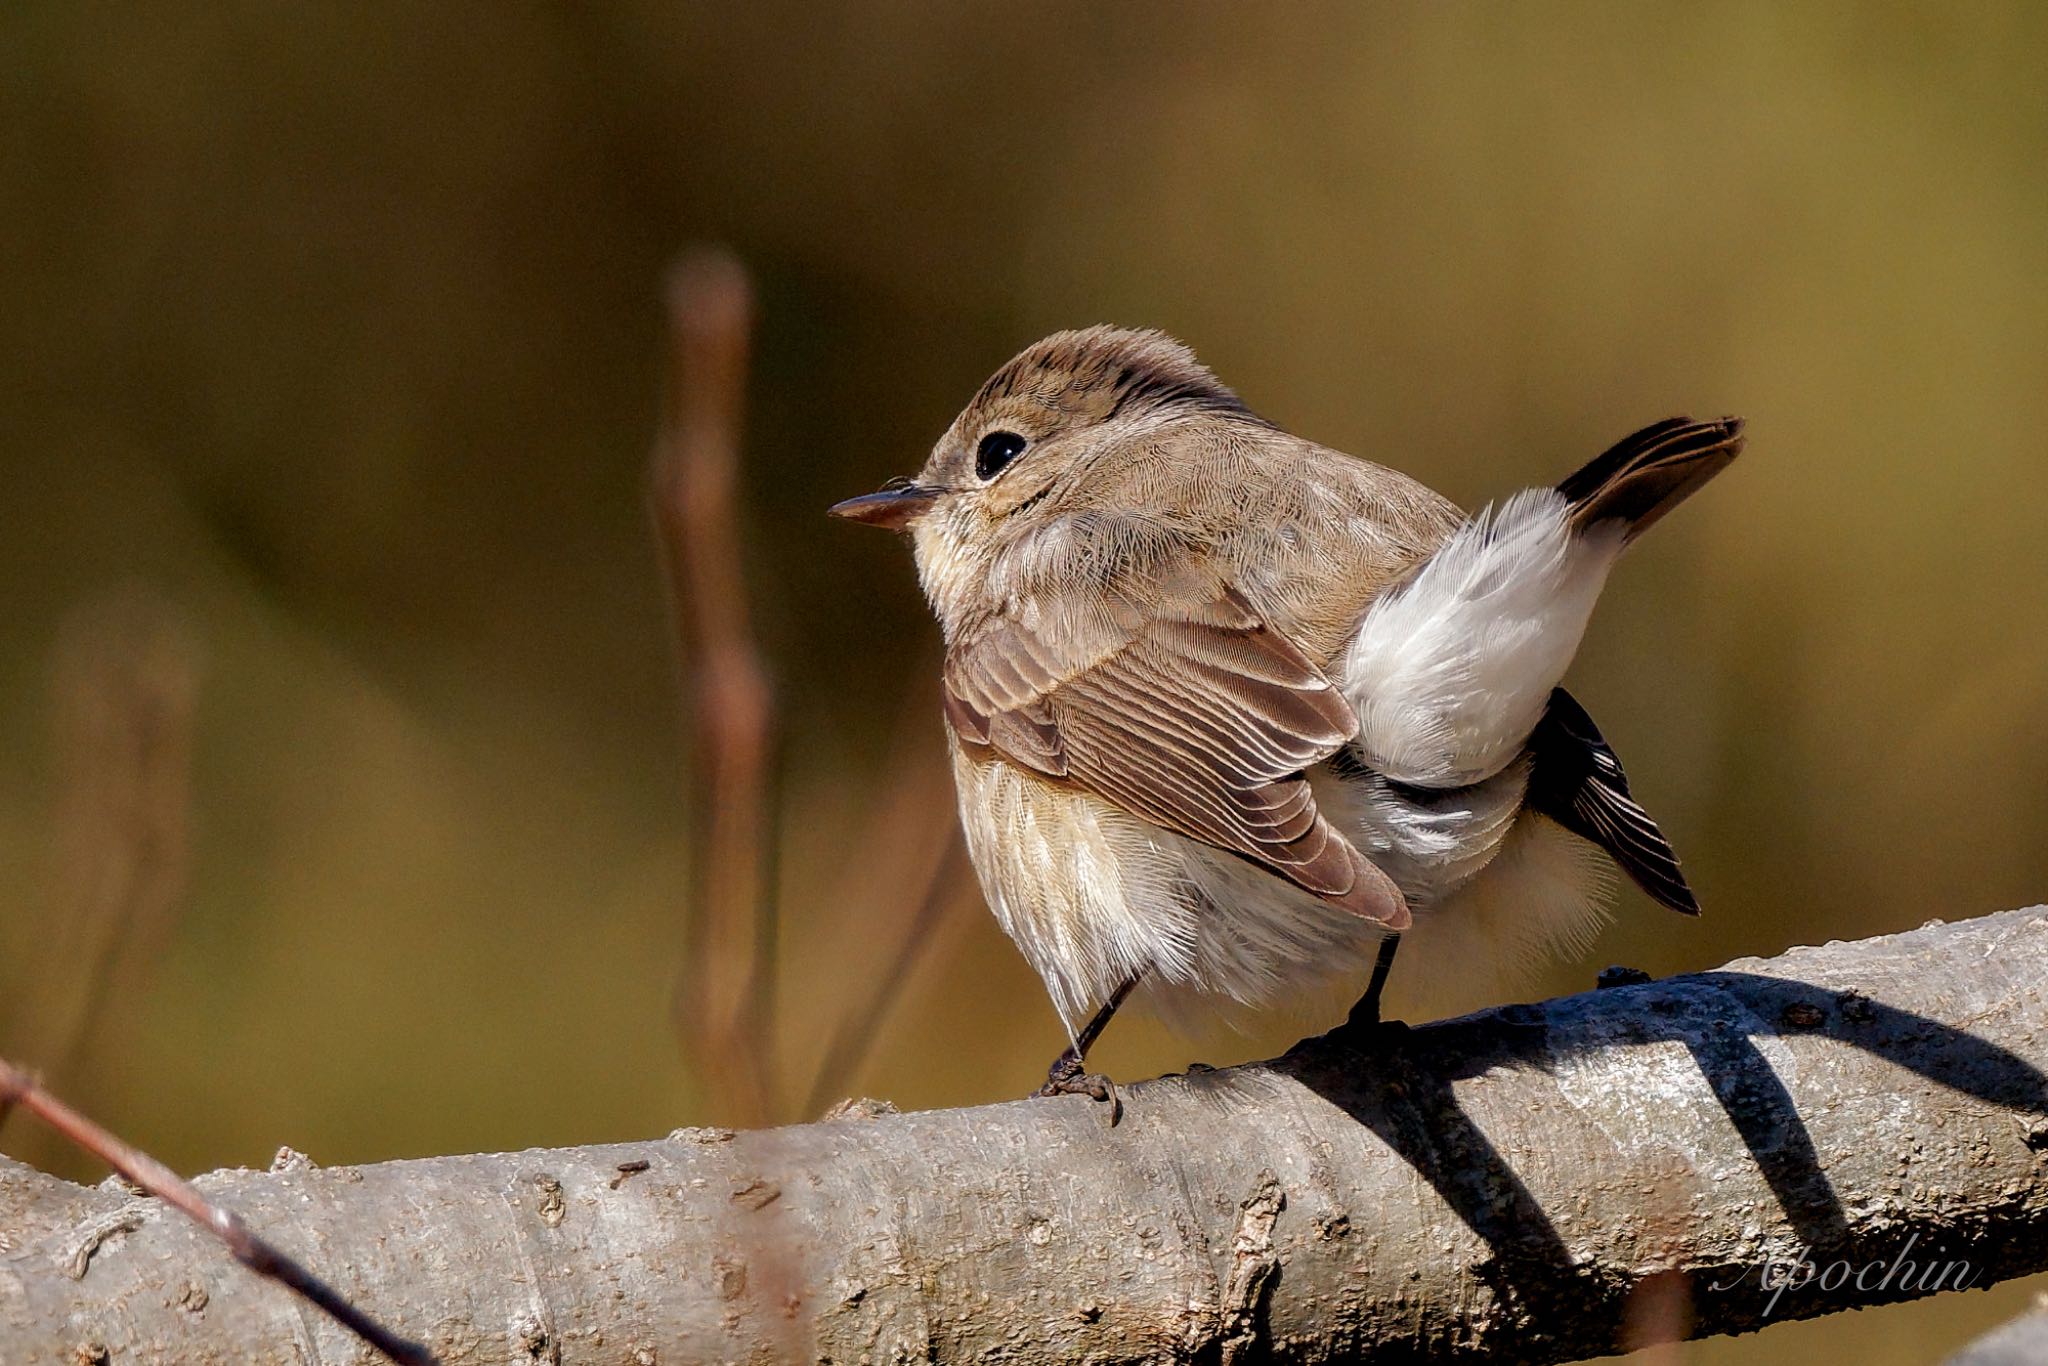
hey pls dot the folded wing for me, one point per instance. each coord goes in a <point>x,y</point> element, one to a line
<point>1201,720</point>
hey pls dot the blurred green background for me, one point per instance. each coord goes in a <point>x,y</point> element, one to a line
<point>328,603</point>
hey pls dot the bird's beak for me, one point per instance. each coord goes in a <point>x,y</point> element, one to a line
<point>893,508</point>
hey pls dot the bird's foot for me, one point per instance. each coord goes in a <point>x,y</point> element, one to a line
<point>1068,1077</point>
<point>1365,1017</point>
<point>1365,1025</point>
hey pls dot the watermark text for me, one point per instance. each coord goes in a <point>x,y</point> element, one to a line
<point>1902,1274</point>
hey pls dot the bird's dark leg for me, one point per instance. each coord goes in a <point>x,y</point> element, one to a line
<point>1067,1076</point>
<point>1366,1014</point>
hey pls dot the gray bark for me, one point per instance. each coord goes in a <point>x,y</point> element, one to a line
<point>1491,1188</point>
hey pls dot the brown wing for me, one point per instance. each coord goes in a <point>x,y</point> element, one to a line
<point>1202,721</point>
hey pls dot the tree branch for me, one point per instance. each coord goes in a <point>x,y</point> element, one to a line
<point>1492,1188</point>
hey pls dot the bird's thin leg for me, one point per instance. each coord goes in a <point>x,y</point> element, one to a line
<point>1366,1014</point>
<point>1067,1075</point>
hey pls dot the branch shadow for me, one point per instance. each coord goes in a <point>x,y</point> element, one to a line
<point>1399,1082</point>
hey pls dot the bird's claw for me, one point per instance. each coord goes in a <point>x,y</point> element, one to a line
<point>1067,1077</point>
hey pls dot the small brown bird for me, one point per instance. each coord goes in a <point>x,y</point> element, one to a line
<point>1228,709</point>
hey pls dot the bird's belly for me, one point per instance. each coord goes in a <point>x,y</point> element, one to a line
<point>1094,896</point>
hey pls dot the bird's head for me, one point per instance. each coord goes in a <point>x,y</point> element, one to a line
<point>1055,432</point>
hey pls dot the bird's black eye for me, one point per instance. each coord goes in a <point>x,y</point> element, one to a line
<point>996,451</point>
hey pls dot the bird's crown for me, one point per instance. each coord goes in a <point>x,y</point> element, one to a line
<point>1102,372</point>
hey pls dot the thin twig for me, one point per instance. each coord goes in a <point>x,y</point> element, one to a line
<point>857,1031</point>
<point>124,684</point>
<point>899,880</point>
<point>725,996</point>
<point>19,1087</point>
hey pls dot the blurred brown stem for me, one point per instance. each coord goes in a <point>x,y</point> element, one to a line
<point>725,995</point>
<point>907,870</point>
<point>857,1032</point>
<point>123,684</point>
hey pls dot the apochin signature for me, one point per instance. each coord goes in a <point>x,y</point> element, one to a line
<point>1868,1277</point>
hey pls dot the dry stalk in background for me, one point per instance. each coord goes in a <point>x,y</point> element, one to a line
<point>908,871</point>
<point>123,683</point>
<point>725,996</point>
<point>857,1032</point>
<point>726,992</point>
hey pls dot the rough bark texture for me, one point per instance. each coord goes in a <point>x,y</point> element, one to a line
<point>1486,1189</point>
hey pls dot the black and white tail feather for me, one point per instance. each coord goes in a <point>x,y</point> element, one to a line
<point>1454,676</point>
<point>1575,777</point>
<point>1643,476</point>
<point>1576,780</point>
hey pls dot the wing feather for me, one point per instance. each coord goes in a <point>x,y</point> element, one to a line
<point>1201,720</point>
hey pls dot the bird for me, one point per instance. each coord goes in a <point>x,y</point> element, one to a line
<point>1231,713</point>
